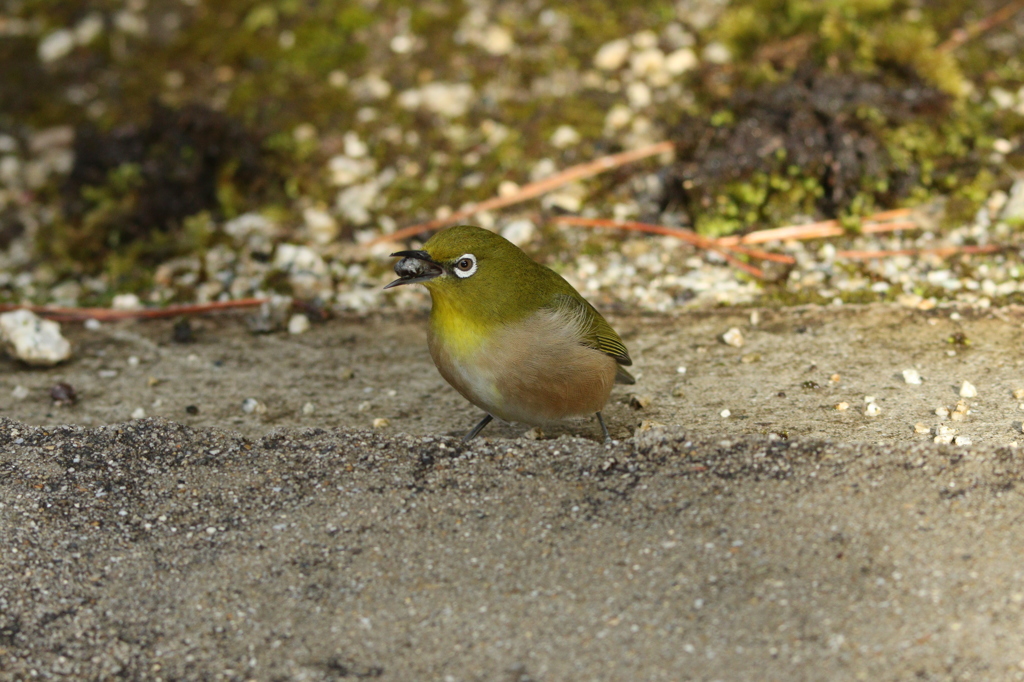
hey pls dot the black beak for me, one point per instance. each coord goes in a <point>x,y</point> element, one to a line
<point>415,266</point>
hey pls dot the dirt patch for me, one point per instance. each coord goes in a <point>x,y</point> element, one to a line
<point>781,542</point>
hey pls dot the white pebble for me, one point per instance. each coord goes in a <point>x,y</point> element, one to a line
<point>298,324</point>
<point>872,410</point>
<point>133,361</point>
<point>612,56</point>
<point>921,427</point>
<point>912,376</point>
<point>126,302</point>
<point>381,423</point>
<point>308,409</point>
<point>565,136</point>
<point>733,337</point>
<point>638,94</point>
<point>19,392</point>
<point>725,414</point>
<point>869,399</point>
<point>680,370</point>
<point>56,45</point>
<point>680,61</point>
<point>92,324</point>
<point>139,413</point>
<point>717,53</point>
<point>519,232</point>
<point>33,340</point>
<point>962,440</point>
<point>967,390</point>
<point>250,405</point>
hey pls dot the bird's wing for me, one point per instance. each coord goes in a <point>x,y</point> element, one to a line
<point>594,330</point>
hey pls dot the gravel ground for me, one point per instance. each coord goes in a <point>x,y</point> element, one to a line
<point>790,540</point>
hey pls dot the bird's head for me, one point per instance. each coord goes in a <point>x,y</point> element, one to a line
<point>466,263</point>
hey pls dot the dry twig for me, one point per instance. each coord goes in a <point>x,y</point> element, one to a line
<point>533,190</point>
<point>962,35</point>
<point>685,235</point>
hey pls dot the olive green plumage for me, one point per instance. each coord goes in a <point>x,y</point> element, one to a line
<point>511,334</point>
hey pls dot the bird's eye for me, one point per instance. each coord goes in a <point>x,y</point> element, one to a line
<point>465,266</point>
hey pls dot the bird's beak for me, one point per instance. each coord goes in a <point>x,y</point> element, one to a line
<point>415,266</point>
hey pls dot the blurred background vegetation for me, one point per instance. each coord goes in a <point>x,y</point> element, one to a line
<point>189,113</point>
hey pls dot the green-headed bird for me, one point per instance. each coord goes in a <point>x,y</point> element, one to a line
<point>512,336</point>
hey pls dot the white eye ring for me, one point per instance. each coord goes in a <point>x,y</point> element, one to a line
<point>465,265</point>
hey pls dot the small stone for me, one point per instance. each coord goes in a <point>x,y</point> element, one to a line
<point>33,340</point>
<point>680,370</point>
<point>680,61</point>
<point>841,406</point>
<point>251,405</point>
<point>346,373</point>
<point>298,324</point>
<point>962,440</point>
<point>639,402</point>
<point>725,414</point>
<point>381,423</point>
<point>639,94</point>
<point>613,55</point>
<point>921,427</point>
<point>835,379</point>
<point>647,425</point>
<point>56,45</point>
<point>944,434</point>
<point>126,302</point>
<point>139,413</point>
<point>321,225</point>
<point>107,373</point>
<point>92,324</point>
<point>1018,394</point>
<point>750,358</point>
<point>967,390</point>
<point>869,399</point>
<point>716,53</point>
<point>191,409</point>
<point>565,136</point>
<point>534,434</point>
<point>497,40</point>
<point>733,337</point>
<point>519,232</point>
<point>364,406</point>
<point>872,410</point>
<point>912,376</point>
<point>679,392</point>
<point>647,62</point>
<point>63,393</point>
<point>19,392</point>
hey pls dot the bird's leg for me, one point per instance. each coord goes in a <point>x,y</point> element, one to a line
<point>604,429</point>
<point>478,428</point>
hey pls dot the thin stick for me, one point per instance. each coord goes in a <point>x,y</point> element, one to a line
<point>962,35</point>
<point>942,251</point>
<point>685,235</point>
<point>824,229</point>
<point>534,189</point>
<point>109,314</point>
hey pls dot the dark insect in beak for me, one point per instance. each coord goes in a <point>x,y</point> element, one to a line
<point>415,266</point>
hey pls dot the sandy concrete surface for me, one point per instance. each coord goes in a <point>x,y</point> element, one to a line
<point>788,540</point>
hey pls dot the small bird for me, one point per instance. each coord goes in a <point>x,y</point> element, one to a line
<point>512,336</point>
